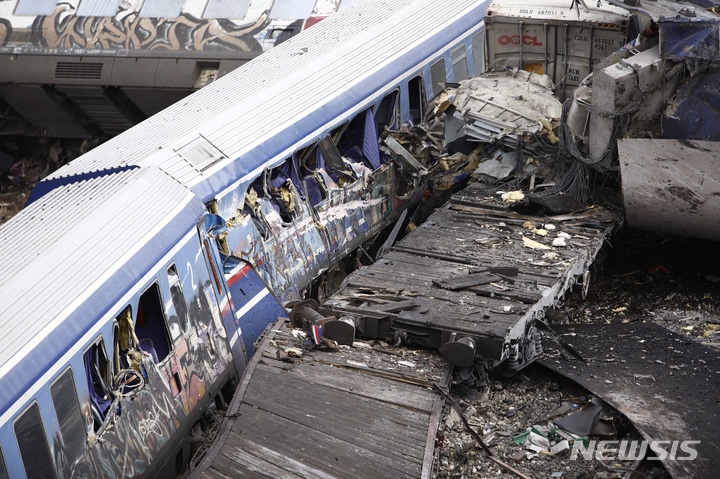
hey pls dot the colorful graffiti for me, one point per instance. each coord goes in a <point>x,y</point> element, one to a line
<point>127,30</point>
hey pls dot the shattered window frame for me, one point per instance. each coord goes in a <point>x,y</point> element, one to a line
<point>332,155</point>
<point>100,373</point>
<point>383,109</point>
<point>416,93</point>
<point>337,132</point>
<point>288,211</point>
<point>158,324</point>
<point>177,296</point>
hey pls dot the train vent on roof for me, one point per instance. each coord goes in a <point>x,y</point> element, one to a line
<point>200,153</point>
<point>88,71</point>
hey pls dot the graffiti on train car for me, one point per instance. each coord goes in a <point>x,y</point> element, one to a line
<point>293,227</point>
<point>160,386</point>
<point>128,30</point>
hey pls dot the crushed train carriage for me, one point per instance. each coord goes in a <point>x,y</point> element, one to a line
<point>160,256</point>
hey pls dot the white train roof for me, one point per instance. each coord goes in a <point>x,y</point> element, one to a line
<point>67,258</point>
<point>265,108</point>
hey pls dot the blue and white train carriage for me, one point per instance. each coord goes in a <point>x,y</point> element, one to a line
<point>139,276</point>
<point>289,141</point>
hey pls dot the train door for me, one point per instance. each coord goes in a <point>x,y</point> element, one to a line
<point>214,226</point>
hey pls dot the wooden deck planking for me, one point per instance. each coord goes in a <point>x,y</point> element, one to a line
<point>307,418</point>
<point>475,232</point>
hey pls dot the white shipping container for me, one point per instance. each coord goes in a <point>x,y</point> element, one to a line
<point>545,36</point>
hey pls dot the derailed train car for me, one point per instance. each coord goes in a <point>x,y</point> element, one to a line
<point>139,276</point>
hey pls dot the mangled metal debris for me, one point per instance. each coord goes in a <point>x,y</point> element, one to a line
<point>666,387</point>
<point>506,106</point>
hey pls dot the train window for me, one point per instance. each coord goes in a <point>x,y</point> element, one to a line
<point>150,325</point>
<point>331,154</point>
<point>478,52</point>
<point>34,448</point>
<point>387,113</point>
<point>67,410</point>
<point>337,132</point>
<point>178,298</point>
<point>98,374</point>
<point>97,8</point>
<point>459,63</point>
<point>166,9</point>
<point>234,9</point>
<point>3,467</point>
<point>35,7</point>
<point>416,93</point>
<point>359,141</point>
<point>200,153</point>
<point>437,75</point>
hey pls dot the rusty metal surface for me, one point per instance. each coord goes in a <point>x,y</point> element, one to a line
<point>665,383</point>
<point>671,186</point>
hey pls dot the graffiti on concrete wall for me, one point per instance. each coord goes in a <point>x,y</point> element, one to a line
<point>128,30</point>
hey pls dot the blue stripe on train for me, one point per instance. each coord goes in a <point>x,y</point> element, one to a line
<point>254,305</point>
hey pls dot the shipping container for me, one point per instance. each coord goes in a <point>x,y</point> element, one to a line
<point>546,36</point>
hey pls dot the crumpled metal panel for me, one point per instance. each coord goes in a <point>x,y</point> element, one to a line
<point>505,105</point>
<point>683,37</point>
<point>694,112</point>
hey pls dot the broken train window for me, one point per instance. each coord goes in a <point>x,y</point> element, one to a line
<point>359,141</point>
<point>388,114</point>
<point>178,298</point>
<point>151,328</point>
<point>98,372</point>
<point>417,99</point>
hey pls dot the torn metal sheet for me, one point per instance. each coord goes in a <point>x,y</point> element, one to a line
<point>671,186</point>
<point>498,167</point>
<point>694,112</point>
<point>681,405</point>
<point>685,36</point>
<point>505,106</point>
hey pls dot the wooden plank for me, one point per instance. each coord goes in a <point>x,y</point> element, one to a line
<point>460,282</point>
<point>249,459</point>
<point>269,384</point>
<point>316,449</point>
<point>397,393</point>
